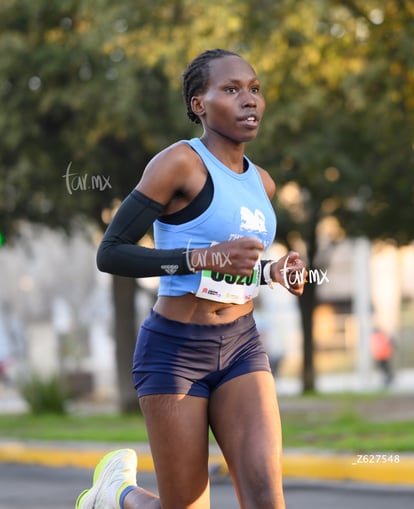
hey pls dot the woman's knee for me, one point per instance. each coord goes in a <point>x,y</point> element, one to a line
<point>257,474</point>
<point>259,490</point>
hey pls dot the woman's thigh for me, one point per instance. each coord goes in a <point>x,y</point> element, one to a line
<point>177,427</point>
<point>244,417</point>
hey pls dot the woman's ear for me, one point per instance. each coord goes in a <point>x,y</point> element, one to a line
<point>197,105</point>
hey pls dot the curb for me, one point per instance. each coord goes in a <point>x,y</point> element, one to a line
<point>391,469</point>
<point>368,468</point>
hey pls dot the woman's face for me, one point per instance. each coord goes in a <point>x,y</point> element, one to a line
<point>233,105</point>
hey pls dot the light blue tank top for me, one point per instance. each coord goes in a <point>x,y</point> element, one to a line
<point>240,208</point>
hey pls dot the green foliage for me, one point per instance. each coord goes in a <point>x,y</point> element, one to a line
<point>44,395</point>
<point>349,422</point>
<point>335,422</point>
<point>104,428</point>
<point>72,98</point>
<point>96,85</point>
<point>349,432</point>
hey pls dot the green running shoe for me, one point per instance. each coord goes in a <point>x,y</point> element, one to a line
<point>116,471</point>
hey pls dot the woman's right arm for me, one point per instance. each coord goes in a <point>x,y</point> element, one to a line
<point>119,252</point>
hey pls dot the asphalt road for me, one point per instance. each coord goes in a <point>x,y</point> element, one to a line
<point>35,487</point>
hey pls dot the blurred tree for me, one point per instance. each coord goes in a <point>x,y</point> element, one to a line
<point>91,89</point>
<point>79,123</point>
<point>339,130</point>
<point>90,93</point>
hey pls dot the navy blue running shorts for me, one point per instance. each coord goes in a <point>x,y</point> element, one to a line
<point>183,358</point>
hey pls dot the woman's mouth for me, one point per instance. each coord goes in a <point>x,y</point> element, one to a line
<point>250,120</point>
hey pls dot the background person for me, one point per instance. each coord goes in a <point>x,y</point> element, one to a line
<point>382,350</point>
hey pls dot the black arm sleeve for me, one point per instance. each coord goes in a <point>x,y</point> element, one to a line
<point>119,253</point>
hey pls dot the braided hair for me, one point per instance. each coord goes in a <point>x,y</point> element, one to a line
<point>197,75</point>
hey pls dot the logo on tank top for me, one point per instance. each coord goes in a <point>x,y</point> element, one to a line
<point>252,221</point>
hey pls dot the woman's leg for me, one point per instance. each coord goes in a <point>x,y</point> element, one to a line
<point>178,434</point>
<point>141,499</point>
<point>244,416</point>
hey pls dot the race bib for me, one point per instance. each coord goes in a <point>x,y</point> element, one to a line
<point>229,289</point>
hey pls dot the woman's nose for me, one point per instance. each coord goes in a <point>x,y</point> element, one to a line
<point>247,98</point>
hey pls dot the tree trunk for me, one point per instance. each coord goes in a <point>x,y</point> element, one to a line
<point>123,293</point>
<point>307,304</point>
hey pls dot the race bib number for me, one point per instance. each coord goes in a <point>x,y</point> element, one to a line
<point>229,289</point>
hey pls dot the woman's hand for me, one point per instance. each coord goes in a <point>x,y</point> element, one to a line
<point>290,271</point>
<point>236,257</point>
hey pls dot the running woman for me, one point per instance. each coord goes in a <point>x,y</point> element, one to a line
<point>199,361</point>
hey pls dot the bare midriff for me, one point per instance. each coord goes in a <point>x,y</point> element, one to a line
<point>191,309</point>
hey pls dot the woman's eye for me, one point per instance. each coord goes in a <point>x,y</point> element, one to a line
<point>255,90</point>
<point>231,90</point>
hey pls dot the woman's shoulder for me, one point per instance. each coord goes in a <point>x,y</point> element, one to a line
<point>169,171</point>
<point>179,154</point>
<point>268,183</point>
<point>180,150</point>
